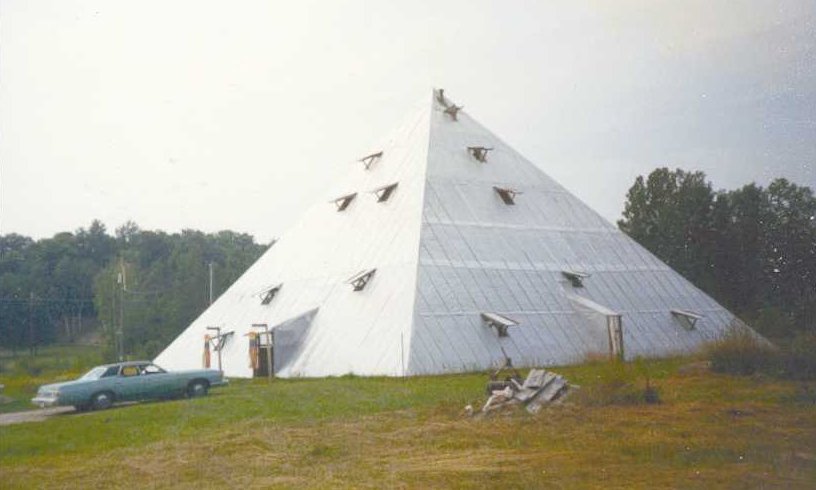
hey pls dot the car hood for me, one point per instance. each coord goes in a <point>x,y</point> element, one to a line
<point>57,386</point>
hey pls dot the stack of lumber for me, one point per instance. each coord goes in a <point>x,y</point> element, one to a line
<point>540,388</point>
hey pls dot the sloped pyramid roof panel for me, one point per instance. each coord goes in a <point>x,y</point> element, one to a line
<point>447,247</point>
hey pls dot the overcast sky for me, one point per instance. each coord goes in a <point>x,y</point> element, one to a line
<point>238,115</point>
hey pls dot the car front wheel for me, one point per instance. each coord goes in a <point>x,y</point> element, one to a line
<point>197,388</point>
<point>102,401</point>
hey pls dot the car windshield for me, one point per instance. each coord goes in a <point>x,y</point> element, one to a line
<point>94,373</point>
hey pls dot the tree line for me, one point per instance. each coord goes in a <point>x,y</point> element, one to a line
<point>134,290</point>
<point>753,249</point>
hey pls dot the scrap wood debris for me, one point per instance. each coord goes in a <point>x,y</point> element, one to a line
<point>540,388</point>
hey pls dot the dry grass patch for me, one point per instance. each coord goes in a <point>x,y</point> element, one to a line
<point>711,431</point>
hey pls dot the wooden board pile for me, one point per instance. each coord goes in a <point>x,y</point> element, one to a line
<point>540,388</point>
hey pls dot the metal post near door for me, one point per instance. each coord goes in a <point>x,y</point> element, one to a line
<point>269,354</point>
<point>268,333</point>
<point>218,336</point>
<point>615,329</point>
<point>211,282</point>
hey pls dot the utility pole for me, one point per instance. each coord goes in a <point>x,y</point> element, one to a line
<point>118,332</point>
<point>123,282</point>
<point>113,329</point>
<point>211,289</point>
<point>31,323</point>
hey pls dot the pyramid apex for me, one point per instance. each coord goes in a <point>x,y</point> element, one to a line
<point>447,105</point>
<point>439,97</point>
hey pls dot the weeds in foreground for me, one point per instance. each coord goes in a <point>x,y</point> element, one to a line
<point>620,383</point>
<point>21,374</point>
<point>741,353</point>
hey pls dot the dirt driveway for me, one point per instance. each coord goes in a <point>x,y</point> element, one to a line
<point>32,415</point>
<point>38,415</point>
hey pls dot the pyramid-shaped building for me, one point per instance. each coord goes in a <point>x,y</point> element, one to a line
<point>445,250</point>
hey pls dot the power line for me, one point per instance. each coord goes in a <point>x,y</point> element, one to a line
<point>40,299</point>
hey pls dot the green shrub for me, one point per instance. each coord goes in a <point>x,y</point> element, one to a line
<point>740,353</point>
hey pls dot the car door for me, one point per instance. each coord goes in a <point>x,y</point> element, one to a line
<point>128,385</point>
<point>106,382</point>
<point>157,382</point>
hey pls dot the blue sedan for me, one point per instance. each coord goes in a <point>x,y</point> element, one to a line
<point>100,387</point>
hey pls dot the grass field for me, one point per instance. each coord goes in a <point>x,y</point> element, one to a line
<point>22,375</point>
<point>709,431</point>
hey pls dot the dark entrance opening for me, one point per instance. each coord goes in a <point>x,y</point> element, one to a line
<point>262,353</point>
<point>261,370</point>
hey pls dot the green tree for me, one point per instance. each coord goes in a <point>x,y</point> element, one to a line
<point>790,250</point>
<point>46,286</point>
<point>167,282</point>
<point>15,284</point>
<point>739,247</point>
<point>752,249</point>
<point>670,213</point>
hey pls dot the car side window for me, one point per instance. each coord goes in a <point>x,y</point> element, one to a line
<point>152,369</point>
<point>129,371</point>
<point>111,371</point>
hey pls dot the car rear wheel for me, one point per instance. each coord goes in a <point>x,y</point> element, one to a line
<point>102,401</point>
<point>197,388</point>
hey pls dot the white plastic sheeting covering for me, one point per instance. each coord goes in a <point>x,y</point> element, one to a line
<point>289,339</point>
<point>447,248</point>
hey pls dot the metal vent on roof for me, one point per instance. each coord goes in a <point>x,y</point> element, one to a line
<point>688,319</point>
<point>269,294</point>
<point>344,201</point>
<point>576,278</point>
<point>369,159</point>
<point>384,192</point>
<point>359,280</point>
<point>499,322</point>
<point>453,111</point>
<point>479,152</point>
<point>507,195</point>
